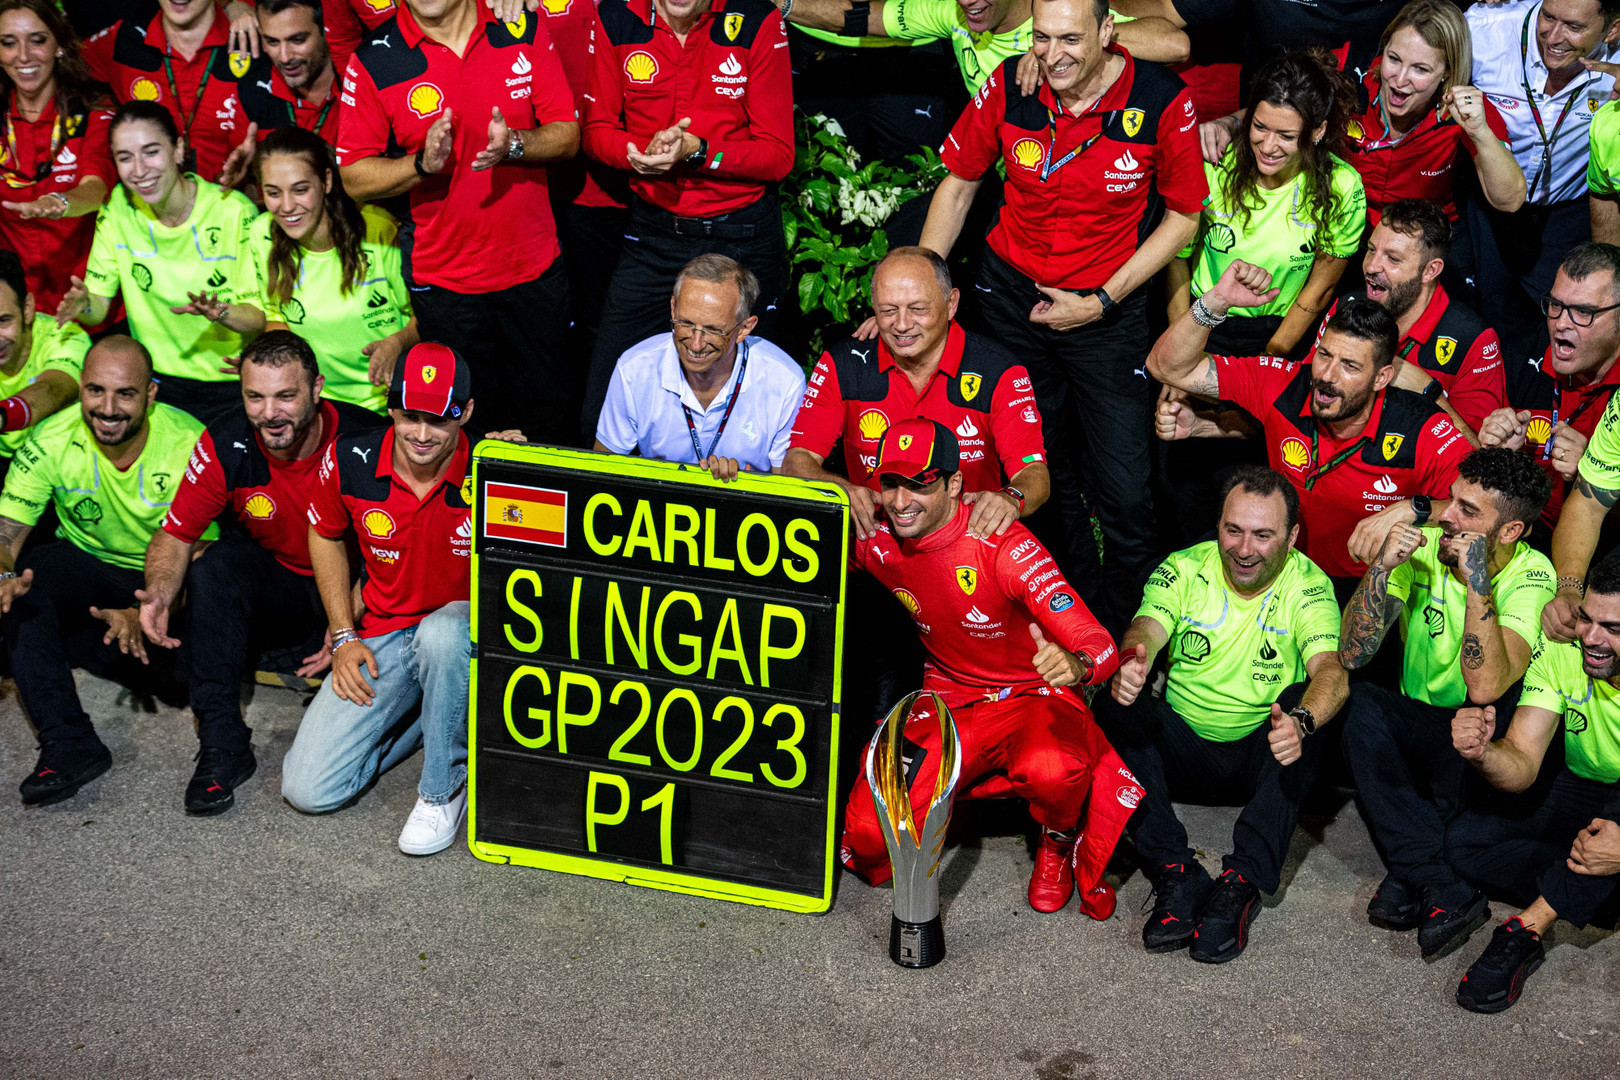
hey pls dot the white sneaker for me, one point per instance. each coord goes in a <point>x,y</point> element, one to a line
<point>430,829</point>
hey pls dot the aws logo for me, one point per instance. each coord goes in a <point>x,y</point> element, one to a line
<point>872,424</point>
<point>641,67</point>
<point>378,523</point>
<point>260,507</point>
<point>1295,454</point>
<point>425,99</point>
<point>144,89</point>
<point>1028,153</point>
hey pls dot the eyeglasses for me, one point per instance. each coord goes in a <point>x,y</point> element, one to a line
<point>1579,314</point>
<point>690,329</point>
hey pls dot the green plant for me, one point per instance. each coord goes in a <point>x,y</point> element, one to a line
<point>833,210</point>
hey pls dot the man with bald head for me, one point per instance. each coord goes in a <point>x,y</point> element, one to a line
<point>110,469</point>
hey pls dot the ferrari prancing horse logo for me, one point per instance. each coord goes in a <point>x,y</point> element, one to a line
<point>1392,445</point>
<point>968,578</point>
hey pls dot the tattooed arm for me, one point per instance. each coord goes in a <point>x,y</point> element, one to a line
<point>12,535</point>
<point>1574,540</point>
<point>1372,611</point>
<point>1493,657</point>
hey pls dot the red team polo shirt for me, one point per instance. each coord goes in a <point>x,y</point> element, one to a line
<point>341,22</point>
<point>1409,447</point>
<point>732,77</point>
<point>268,101</point>
<point>418,553</point>
<point>1456,349</point>
<point>1551,400</point>
<point>470,232</point>
<point>979,391</point>
<point>130,57</point>
<point>1079,225</point>
<point>52,250</point>
<point>584,180</point>
<point>1419,165</point>
<point>973,600</point>
<point>229,471</point>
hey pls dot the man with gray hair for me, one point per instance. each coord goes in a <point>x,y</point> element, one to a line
<point>706,392</point>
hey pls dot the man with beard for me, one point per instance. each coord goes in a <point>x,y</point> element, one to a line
<point>1557,398</point>
<point>293,82</point>
<point>255,587</point>
<point>1528,855</point>
<point>110,469</point>
<point>1467,595</point>
<point>1253,637</point>
<point>1350,443</point>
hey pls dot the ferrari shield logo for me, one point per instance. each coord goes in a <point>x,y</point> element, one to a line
<point>1132,121</point>
<point>968,578</point>
<point>970,386</point>
<point>240,62</point>
<point>904,442</point>
<point>1444,349</point>
<point>733,26</point>
<point>467,490</point>
<point>429,371</point>
<point>1392,445</point>
<point>518,25</point>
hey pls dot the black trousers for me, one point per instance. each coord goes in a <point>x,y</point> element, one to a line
<point>1409,777</point>
<point>889,101</point>
<point>1096,404</point>
<point>240,599</point>
<point>656,246</point>
<point>207,401</point>
<point>49,631</point>
<point>1519,848</point>
<point>1516,258</point>
<point>591,237</point>
<point>515,341</point>
<point>1172,761</point>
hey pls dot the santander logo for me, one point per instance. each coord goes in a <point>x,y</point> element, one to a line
<point>1385,484</point>
<point>966,429</point>
<point>1126,162</point>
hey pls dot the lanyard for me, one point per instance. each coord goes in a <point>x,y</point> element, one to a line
<point>202,87</point>
<point>320,121</point>
<point>731,403</point>
<point>42,169</point>
<point>1547,141</point>
<point>1601,393</point>
<point>1051,166</point>
<point>1333,463</point>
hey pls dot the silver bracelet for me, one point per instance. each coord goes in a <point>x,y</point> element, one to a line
<point>1205,317</point>
<point>63,199</point>
<point>514,146</point>
<point>787,9</point>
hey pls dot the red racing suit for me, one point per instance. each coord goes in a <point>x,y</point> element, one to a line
<point>973,602</point>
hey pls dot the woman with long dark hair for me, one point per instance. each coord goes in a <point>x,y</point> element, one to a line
<point>54,160</point>
<point>1282,197</point>
<point>329,270</point>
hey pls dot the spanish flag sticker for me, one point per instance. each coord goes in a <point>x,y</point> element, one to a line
<point>529,515</point>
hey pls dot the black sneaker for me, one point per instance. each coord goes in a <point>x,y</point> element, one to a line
<point>219,772</point>
<point>1497,978</point>
<point>1178,894</point>
<point>62,770</point>
<point>1223,925</point>
<point>1393,906</point>
<point>1450,914</point>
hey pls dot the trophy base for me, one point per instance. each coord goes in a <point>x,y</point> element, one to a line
<point>916,945</point>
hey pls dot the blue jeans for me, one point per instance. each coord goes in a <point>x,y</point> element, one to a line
<point>341,747</point>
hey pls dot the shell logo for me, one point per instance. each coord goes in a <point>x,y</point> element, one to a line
<point>1295,454</point>
<point>1355,130</point>
<point>1539,431</point>
<point>907,600</point>
<point>1028,153</point>
<point>640,66</point>
<point>872,424</point>
<point>144,89</point>
<point>260,507</point>
<point>380,6</point>
<point>378,524</point>
<point>556,7</point>
<point>425,99</point>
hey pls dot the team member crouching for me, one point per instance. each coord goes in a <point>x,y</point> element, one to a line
<point>253,587</point>
<point>404,492</point>
<point>110,468</point>
<point>1254,671</point>
<point>1529,853</point>
<point>40,360</point>
<point>1467,596</point>
<point>1008,641</point>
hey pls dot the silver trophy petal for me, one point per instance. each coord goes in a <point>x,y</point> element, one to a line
<point>916,937</point>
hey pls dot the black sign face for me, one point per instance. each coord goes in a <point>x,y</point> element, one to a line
<point>656,682</point>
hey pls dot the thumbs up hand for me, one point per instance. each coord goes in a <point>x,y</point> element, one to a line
<point>1132,675</point>
<point>1285,739</point>
<point>1055,664</point>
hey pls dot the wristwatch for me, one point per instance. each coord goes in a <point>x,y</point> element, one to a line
<point>1109,308</point>
<point>1422,506</point>
<point>697,157</point>
<point>514,146</point>
<point>1015,493</point>
<point>1306,718</point>
<point>420,171</point>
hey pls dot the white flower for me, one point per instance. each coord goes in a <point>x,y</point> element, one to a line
<point>833,126</point>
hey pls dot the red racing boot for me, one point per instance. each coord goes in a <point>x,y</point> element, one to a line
<point>1052,883</point>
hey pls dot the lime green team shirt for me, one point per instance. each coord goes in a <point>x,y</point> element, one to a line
<point>108,513</point>
<point>338,326</point>
<point>978,55</point>
<point>1231,656</point>
<point>153,267</point>
<point>1280,235</point>
<point>1603,161</point>
<point>56,347</point>
<point>1433,604</point>
<point>1600,464</point>
<point>1557,682</point>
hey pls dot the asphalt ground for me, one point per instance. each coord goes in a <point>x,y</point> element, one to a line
<point>137,942</point>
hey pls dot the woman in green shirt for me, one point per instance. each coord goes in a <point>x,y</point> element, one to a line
<point>174,246</point>
<point>1282,197</point>
<point>329,270</point>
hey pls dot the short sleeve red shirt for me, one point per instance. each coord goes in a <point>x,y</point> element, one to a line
<point>583,180</point>
<point>467,231</point>
<point>269,102</point>
<point>418,552</point>
<point>1409,447</point>
<point>136,61</point>
<point>372,13</point>
<point>52,250</point>
<point>979,391</point>
<point>1418,165</point>
<point>1082,192</point>
<point>1550,400</point>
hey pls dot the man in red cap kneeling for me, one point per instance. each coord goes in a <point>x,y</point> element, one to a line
<point>1009,644</point>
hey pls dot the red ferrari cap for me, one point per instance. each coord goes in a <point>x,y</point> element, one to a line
<point>431,378</point>
<point>920,450</point>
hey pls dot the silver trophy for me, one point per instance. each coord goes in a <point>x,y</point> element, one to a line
<point>916,938</point>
